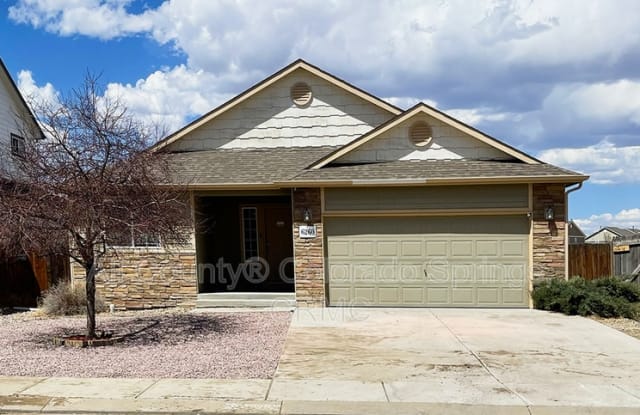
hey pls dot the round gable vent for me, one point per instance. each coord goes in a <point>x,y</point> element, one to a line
<point>301,94</point>
<point>420,134</point>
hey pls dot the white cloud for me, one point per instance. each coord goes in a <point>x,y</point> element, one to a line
<point>416,36</point>
<point>604,162</point>
<point>170,97</point>
<point>602,102</point>
<point>101,19</point>
<point>626,218</point>
<point>34,94</point>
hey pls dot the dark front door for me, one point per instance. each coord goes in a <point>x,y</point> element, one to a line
<point>277,242</point>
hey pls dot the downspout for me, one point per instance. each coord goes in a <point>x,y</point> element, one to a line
<point>566,232</point>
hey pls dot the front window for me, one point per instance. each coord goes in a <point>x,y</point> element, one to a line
<point>18,147</point>
<point>127,236</point>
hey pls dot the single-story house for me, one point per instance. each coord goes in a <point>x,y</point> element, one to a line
<point>576,235</point>
<point>308,190</point>
<point>609,233</point>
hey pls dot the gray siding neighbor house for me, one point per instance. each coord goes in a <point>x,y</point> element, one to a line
<point>314,192</point>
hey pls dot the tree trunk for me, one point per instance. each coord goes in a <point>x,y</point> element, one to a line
<point>91,272</point>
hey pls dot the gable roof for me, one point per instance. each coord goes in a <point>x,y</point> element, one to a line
<point>619,232</point>
<point>439,115</point>
<point>298,64</point>
<point>4,72</point>
<point>574,230</point>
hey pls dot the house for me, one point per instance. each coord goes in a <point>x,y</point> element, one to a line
<point>576,236</point>
<point>22,278</point>
<point>609,233</point>
<point>309,190</point>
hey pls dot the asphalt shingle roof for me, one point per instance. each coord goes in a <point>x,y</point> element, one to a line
<point>243,166</point>
<point>289,165</point>
<point>433,169</point>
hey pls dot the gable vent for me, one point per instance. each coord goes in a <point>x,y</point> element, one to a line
<point>301,94</point>
<point>420,134</point>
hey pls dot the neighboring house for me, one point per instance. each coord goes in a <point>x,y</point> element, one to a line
<point>576,236</point>
<point>609,233</point>
<point>309,189</point>
<point>17,122</point>
<point>22,278</point>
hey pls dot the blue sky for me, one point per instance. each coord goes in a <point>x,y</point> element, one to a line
<point>558,79</point>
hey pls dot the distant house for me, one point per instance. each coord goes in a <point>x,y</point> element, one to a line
<point>576,236</point>
<point>609,233</point>
<point>22,278</point>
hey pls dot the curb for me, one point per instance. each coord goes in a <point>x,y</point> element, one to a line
<point>48,405</point>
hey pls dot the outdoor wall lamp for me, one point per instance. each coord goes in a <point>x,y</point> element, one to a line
<point>548,213</point>
<point>306,216</point>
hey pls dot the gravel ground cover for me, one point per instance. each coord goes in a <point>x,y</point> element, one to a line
<point>168,344</point>
<point>625,325</point>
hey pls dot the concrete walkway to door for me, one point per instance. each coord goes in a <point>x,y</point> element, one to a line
<point>518,358</point>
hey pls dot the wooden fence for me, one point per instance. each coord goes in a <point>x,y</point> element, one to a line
<point>591,261</point>
<point>626,256</point>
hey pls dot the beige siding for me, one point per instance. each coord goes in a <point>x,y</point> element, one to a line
<point>435,197</point>
<point>438,261</point>
<point>448,143</point>
<point>270,119</point>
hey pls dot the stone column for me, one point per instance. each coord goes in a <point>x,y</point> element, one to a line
<point>308,253</point>
<point>548,235</point>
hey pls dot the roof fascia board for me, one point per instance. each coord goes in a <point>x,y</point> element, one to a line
<point>260,86</point>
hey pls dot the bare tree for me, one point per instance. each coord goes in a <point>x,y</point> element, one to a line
<point>89,180</point>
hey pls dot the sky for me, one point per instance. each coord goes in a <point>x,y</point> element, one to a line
<point>557,79</point>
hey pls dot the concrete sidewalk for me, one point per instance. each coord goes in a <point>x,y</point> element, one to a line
<point>252,396</point>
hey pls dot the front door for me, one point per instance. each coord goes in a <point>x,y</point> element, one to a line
<point>278,245</point>
<point>268,240</point>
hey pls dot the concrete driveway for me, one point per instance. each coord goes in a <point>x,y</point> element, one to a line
<point>496,357</point>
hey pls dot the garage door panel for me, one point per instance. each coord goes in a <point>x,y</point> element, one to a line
<point>513,248</point>
<point>428,261</point>
<point>338,248</point>
<point>488,296</point>
<point>410,248</point>
<point>363,248</point>
<point>438,296</point>
<point>436,248</point>
<point>413,295</point>
<point>461,248</point>
<point>387,249</point>
<point>463,296</point>
<point>389,295</point>
<point>365,295</point>
<point>487,248</point>
<point>513,296</point>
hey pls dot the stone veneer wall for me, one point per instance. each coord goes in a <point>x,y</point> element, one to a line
<point>308,253</point>
<point>136,278</point>
<point>549,236</point>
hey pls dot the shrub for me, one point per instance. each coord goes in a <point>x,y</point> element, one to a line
<point>63,300</point>
<point>607,297</point>
<point>619,288</point>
